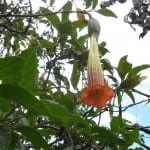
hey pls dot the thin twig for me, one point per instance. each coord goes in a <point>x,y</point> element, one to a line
<point>141,93</point>
<point>126,107</point>
<point>40,15</point>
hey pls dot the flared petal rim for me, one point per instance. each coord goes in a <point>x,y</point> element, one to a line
<point>97,95</point>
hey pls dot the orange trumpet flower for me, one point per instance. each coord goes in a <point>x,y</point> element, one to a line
<point>97,93</point>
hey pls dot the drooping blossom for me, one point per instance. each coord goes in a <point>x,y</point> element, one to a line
<point>97,93</point>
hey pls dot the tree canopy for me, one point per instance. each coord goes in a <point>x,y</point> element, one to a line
<point>47,62</point>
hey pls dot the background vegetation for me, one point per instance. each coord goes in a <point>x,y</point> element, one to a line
<point>43,72</point>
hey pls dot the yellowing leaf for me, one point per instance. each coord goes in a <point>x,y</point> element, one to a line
<point>80,15</point>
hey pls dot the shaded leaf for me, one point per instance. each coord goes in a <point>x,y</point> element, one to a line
<point>75,76</point>
<point>107,65</point>
<point>109,137</point>
<point>95,3</point>
<point>53,18</point>
<point>58,112</point>
<point>117,124</point>
<point>131,82</point>
<point>64,28</point>
<point>29,71</point>
<point>52,2</point>
<point>123,67</point>
<point>11,68</point>
<point>34,106</point>
<point>107,12</point>
<point>5,105</point>
<point>130,94</point>
<point>66,7</point>
<point>131,136</point>
<point>88,3</point>
<point>33,136</point>
<point>137,69</point>
<point>65,100</point>
<point>5,139</point>
<point>24,98</point>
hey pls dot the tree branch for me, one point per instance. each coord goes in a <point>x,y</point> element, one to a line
<point>141,93</point>
<point>40,15</point>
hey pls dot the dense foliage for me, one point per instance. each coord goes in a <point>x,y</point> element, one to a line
<point>43,70</point>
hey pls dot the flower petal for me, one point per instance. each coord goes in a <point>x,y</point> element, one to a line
<point>95,72</point>
<point>97,95</point>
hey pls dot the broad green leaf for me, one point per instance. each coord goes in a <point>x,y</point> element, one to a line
<point>78,24</point>
<point>46,43</point>
<point>53,18</point>
<point>52,2</point>
<point>95,3</point>
<point>102,48</point>
<point>44,1</point>
<point>109,137</point>
<point>5,105</point>
<point>75,76</point>
<point>131,82</point>
<point>10,69</point>
<point>33,136</point>
<point>137,69</point>
<point>64,28</point>
<point>5,139</point>
<point>49,45</point>
<point>59,113</point>
<point>29,71</point>
<point>61,78</point>
<point>107,65</point>
<point>107,12</point>
<point>131,136</point>
<point>130,94</point>
<point>34,106</point>
<point>116,124</point>
<point>67,7</point>
<point>65,99</point>
<point>123,67</point>
<point>88,3</point>
<point>24,98</point>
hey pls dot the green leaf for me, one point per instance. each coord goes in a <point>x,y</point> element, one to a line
<point>5,139</point>
<point>131,82</point>
<point>24,98</point>
<point>116,124</point>
<point>102,48</point>
<point>58,113</point>
<point>109,137</point>
<point>10,69</point>
<point>33,136</point>
<point>107,65</point>
<point>67,7</point>
<point>60,77</point>
<point>131,136</point>
<point>88,3</point>
<point>95,3</point>
<point>64,28</point>
<point>123,67</point>
<point>29,72</point>
<point>137,69</point>
<point>52,2</point>
<point>107,12</point>
<point>34,106</point>
<point>78,24</point>
<point>65,100</point>
<point>130,94</point>
<point>53,18</point>
<point>75,76</point>
<point>5,105</point>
